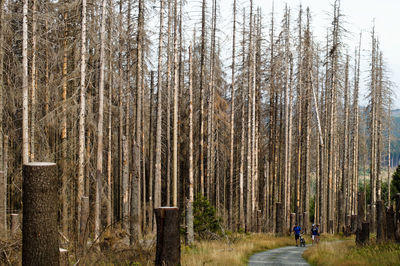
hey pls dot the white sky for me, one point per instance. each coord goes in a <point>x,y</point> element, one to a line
<point>359,16</point>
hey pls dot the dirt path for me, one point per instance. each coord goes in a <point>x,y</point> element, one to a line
<point>280,256</point>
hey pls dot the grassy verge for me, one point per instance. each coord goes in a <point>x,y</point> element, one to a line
<point>347,253</point>
<point>234,251</point>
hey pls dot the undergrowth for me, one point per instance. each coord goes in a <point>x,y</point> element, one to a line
<point>347,253</point>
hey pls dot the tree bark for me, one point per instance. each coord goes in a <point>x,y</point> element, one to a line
<point>175,114</point>
<point>135,184</point>
<point>83,224</point>
<point>380,221</point>
<point>232,125</point>
<point>33,81</point>
<point>100,123</point>
<point>202,80</point>
<point>189,207</point>
<point>40,200</point>
<point>390,224</point>
<point>82,115</point>
<point>157,176</point>
<point>64,144</point>
<point>168,249</point>
<point>3,204</point>
<point>25,104</point>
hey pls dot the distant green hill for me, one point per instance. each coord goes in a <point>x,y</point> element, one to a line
<point>396,113</point>
<point>396,136</point>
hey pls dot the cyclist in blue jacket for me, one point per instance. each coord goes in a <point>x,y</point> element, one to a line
<point>297,230</point>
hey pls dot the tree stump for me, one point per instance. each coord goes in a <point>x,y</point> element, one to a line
<point>15,224</point>
<point>279,219</point>
<point>39,221</point>
<point>364,234</point>
<point>390,224</point>
<point>397,221</point>
<point>360,216</point>
<point>380,221</point>
<point>168,249</point>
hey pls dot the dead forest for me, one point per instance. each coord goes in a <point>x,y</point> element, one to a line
<point>143,104</point>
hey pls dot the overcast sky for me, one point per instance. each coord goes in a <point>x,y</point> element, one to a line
<point>359,16</point>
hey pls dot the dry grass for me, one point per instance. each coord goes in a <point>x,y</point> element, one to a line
<point>347,253</point>
<point>234,251</point>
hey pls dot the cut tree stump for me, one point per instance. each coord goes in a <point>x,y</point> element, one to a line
<point>40,244</point>
<point>364,234</point>
<point>360,216</point>
<point>397,218</point>
<point>168,249</point>
<point>390,224</point>
<point>380,221</point>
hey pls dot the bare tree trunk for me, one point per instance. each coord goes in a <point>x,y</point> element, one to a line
<point>232,132</point>
<point>189,207</point>
<point>25,112</point>
<point>242,143</point>
<point>3,204</point>
<point>151,155</point>
<point>64,144</point>
<point>249,127</point>
<point>356,128</point>
<point>33,81</point>
<point>135,184</point>
<point>157,181</point>
<point>82,116</point>
<point>3,176</point>
<point>100,122</point>
<point>343,186</point>
<point>168,163</point>
<point>109,152</point>
<point>286,178</point>
<point>175,115</point>
<point>373,137</point>
<point>202,80</point>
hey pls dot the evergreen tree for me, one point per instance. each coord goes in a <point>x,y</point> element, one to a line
<point>395,184</point>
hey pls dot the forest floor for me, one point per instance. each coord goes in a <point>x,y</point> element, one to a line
<point>231,249</point>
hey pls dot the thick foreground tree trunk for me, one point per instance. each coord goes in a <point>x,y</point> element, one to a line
<point>40,211</point>
<point>168,250</point>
